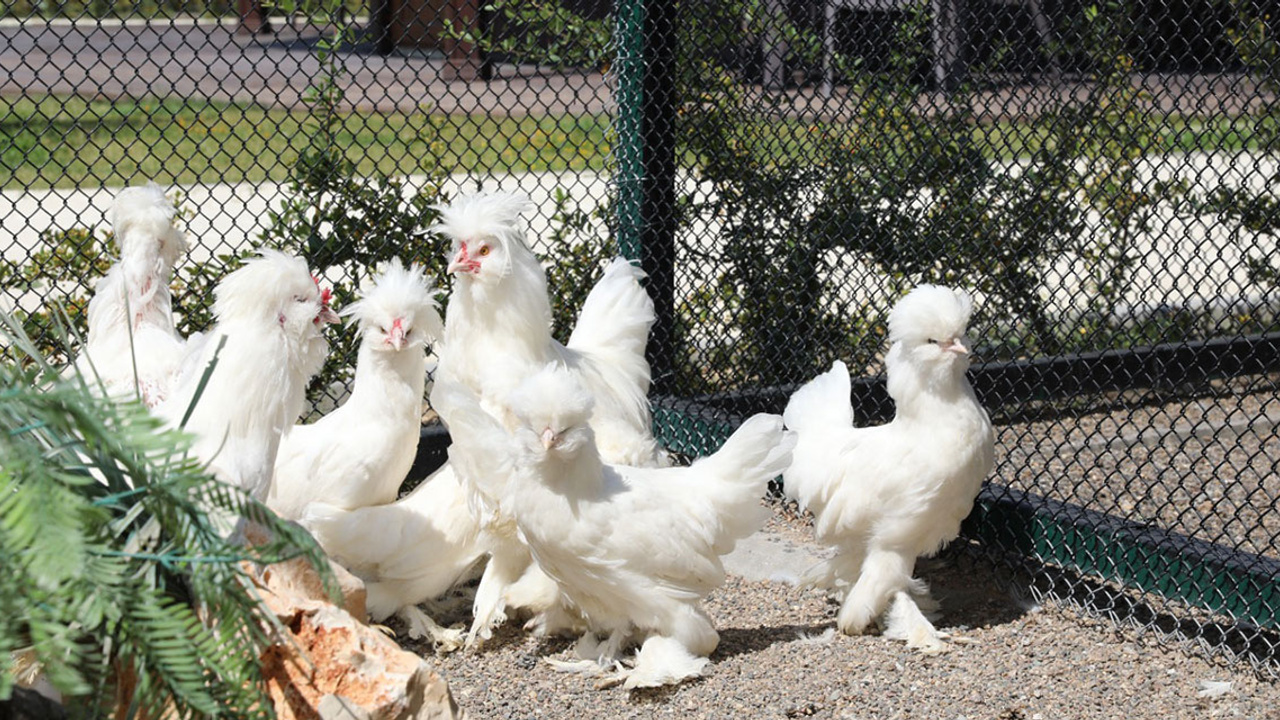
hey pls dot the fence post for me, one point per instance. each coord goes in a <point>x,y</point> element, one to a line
<point>949,66</point>
<point>253,17</point>
<point>646,162</point>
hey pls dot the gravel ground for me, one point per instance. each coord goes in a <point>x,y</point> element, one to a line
<point>779,658</point>
<point>1203,468</point>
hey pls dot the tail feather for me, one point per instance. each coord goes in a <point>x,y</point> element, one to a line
<point>823,402</point>
<point>607,347</point>
<point>760,448</point>
<point>132,342</point>
<point>617,314</point>
<point>757,452</point>
<point>142,219</point>
<point>818,412</point>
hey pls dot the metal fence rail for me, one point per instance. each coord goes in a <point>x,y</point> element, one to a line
<point>1099,176</point>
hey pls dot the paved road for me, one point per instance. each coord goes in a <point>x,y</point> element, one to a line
<point>212,60</point>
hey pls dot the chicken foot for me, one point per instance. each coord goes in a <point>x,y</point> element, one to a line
<point>421,624</point>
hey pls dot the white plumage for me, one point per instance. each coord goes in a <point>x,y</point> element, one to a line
<point>497,334</point>
<point>883,496</point>
<point>269,318</point>
<point>132,345</point>
<point>408,552</point>
<point>634,550</point>
<point>498,329</point>
<point>359,454</point>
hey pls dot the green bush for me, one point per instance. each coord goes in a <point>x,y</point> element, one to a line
<point>113,564</point>
<point>917,195</point>
<point>1255,215</point>
<point>65,267</point>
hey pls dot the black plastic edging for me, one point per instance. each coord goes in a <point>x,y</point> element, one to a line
<point>1004,387</point>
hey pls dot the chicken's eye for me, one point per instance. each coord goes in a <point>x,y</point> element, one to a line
<point>932,341</point>
<point>483,251</point>
<point>299,298</point>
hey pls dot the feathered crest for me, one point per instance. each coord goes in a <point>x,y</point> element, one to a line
<point>393,285</point>
<point>553,392</point>
<point>261,287</point>
<point>144,213</point>
<point>930,311</point>
<point>495,215</point>
<point>398,290</point>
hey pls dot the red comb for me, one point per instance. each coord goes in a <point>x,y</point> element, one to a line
<point>326,294</point>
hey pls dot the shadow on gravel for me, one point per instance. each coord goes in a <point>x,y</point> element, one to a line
<point>742,641</point>
<point>967,588</point>
<point>969,591</point>
<point>661,695</point>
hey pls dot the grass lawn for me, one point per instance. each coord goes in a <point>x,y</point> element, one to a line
<point>60,141</point>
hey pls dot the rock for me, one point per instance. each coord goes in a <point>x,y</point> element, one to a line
<point>329,665</point>
<point>332,667</point>
<point>336,707</point>
<point>298,578</point>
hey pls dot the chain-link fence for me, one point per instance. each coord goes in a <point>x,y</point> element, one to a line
<point>1097,175</point>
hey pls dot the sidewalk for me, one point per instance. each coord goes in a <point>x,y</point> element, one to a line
<point>228,217</point>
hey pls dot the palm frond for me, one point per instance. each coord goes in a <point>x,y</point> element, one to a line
<point>115,556</point>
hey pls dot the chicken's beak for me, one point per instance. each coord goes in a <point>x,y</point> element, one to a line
<point>550,439</point>
<point>396,338</point>
<point>462,262</point>
<point>327,316</point>
<point>956,345</point>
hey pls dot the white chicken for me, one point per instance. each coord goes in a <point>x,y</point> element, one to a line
<point>883,496</point>
<point>133,346</point>
<point>634,550</point>
<point>268,342</point>
<point>500,318</point>
<point>408,552</point>
<point>359,454</point>
<point>497,333</point>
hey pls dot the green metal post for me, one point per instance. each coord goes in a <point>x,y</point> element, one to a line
<point>646,130</point>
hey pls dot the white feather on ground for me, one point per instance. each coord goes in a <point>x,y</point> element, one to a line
<point>633,549</point>
<point>883,496</point>
<point>359,454</point>
<point>1213,688</point>
<point>132,346</point>
<point>497,334</point>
